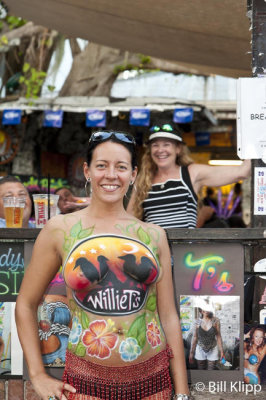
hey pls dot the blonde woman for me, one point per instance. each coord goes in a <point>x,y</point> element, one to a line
<point>166,189</point>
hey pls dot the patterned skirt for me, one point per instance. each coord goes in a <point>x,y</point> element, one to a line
<point>149,379</point>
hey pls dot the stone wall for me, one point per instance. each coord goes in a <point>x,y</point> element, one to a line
<point>17,389</point>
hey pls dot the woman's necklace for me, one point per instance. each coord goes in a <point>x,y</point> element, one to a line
<point>168,176</point>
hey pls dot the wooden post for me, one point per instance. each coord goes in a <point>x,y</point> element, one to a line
<point>257,14</point>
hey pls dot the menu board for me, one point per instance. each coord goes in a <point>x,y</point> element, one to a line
<point>11,269</point>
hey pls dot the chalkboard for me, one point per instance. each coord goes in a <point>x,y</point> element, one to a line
<point>11,269</point>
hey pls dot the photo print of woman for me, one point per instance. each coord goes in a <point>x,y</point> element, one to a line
<point>210,328</point>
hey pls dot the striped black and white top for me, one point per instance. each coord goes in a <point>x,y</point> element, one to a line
<point>172,204</point>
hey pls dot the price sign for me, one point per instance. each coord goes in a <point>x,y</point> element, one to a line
<point>260,191</point>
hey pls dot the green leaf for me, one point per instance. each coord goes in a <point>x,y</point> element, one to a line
<point>4,40</point>
<point>33,73</point>
<point>144,59</point>
<point>151,302</point>
<point>137,330</point>
<point>26,68</point>
<point>69,346</point>
<point>85,232</point>
<point>72,305</point>
<point>142,338</point>
<point>50,88</point>
<point>68,243</point>
<point>131,226</point>
<point>49,42</point>
<point>143,236</point>
<point>84,320</point>
<point>15,22</point>
<point>80,350</point>
<point>75,230</point>
<point>118,226</point>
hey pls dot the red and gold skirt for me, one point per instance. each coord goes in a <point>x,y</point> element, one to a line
<point>146,380</point>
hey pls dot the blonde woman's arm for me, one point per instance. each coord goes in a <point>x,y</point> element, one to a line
<point>206,175</point>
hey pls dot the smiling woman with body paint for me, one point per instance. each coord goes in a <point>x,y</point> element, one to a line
<point>125,329</point>
<point>169,180</point>
<point>254,353</point>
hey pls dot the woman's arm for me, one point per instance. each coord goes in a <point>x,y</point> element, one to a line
<point>204,215</point>
<point>169,318</point>
<point>263,353</point>
<point>206,175</point>
<point>194,342</point>
<point>43,266</point>
<point>219,338</point>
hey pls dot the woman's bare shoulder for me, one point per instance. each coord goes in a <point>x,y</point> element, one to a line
<point>215,321</point>
<point>60,227</point>
<point>147,232</point>
<point>153,228</point>
<point>65,220</point>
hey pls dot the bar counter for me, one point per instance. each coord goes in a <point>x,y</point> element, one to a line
<point>198,234</point>
<point>253,240</point>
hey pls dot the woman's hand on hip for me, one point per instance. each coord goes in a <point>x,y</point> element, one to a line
<point>46,386</point>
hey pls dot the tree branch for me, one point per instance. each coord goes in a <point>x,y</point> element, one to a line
<point>26,30</point>
<point>75,47</point>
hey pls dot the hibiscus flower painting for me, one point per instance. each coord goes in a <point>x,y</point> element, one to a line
<point>99,339</point>
<point>153,334</point>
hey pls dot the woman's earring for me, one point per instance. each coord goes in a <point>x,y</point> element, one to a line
<point>88,182</point>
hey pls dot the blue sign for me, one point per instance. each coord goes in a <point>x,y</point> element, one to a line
<point>183,115</point>
<point>11,117</point>
<point>96,118</point>
<point>53,119</point>
<point>139,117</point>
<point>202,138</point>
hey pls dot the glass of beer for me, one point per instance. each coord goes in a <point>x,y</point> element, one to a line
<point>13,208</point>
<point>41,208</point>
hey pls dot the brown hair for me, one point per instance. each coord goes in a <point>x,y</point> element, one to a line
<point>251,340</point>
<point>148,171</point>
<point>9,178</point>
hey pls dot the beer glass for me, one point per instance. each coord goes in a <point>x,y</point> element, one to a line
<point>13,209</point>
<point>41,208</point>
